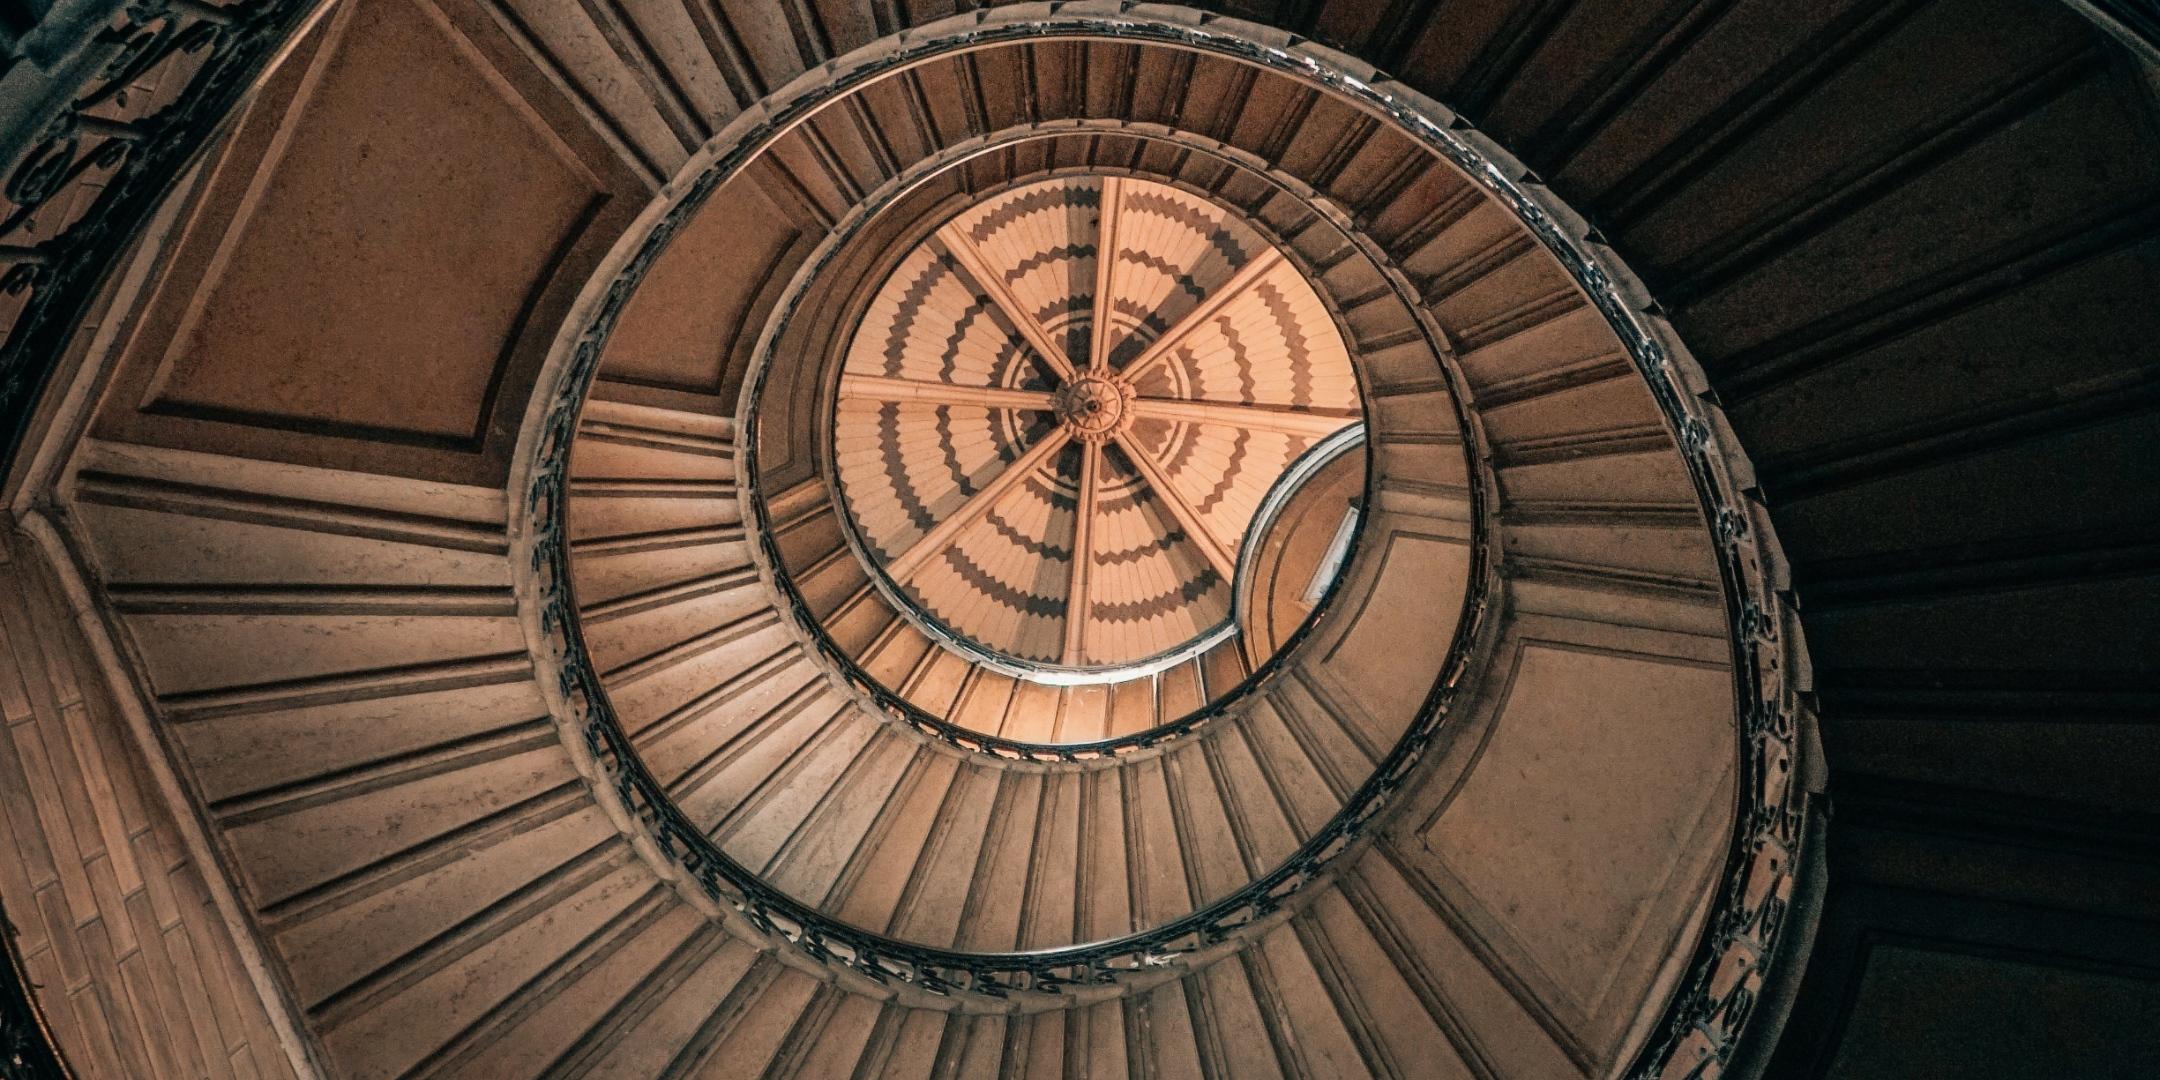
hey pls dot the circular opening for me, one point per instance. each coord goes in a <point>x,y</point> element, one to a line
<point>1060,414</point>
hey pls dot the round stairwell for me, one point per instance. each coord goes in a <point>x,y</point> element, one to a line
<point>866,797</point>
<point>987,855</point>
<point>835,788</point>
<point>886,619</point>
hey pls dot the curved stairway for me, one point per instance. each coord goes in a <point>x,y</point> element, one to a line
<point>330,647</point>
<point>850,814</point>
<point>456,905</point>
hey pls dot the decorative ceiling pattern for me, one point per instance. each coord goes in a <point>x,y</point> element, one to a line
<point>1057,456</point>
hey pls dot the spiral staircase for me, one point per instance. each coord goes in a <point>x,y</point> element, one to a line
<point>1412,539</point>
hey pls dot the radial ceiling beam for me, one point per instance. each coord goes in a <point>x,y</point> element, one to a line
<point>881,388</point>
<point>1188,518</point>
<point>946,531</point>
<point>992,283</point>
<point>1083,554</point>
<point>1307,423</point>
<point>1246,277</point>
<point>1106,246</point>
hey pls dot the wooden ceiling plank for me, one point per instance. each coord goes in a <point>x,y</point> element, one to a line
<point>882,388</point>
<point>1246,277</point>
<point>1106,247</point>
<point>1211,546</point>
<point>977,266</point>
<point>946,531</point>
<point>1308,423</point>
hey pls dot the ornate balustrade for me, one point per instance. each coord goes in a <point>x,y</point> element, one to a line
<point>101,120</point>
<point>107,104</point>
<point>735,887</point>
<point>1703,1022</point>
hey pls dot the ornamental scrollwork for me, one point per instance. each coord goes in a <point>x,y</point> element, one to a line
<point>124,111</point>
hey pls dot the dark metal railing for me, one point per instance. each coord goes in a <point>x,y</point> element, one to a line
<point>2135,23</point>
<point>76,122</point>
<point>106,104</point>
<point>1706,1016</point>
<point>27,1050</point>
<point>734,886</point>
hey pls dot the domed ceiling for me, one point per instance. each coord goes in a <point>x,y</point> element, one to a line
<point>1054,458</point>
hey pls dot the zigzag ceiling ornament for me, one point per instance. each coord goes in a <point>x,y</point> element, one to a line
<point>810,627</point>
<point>1203,361</point>
<point>1709,1012</point>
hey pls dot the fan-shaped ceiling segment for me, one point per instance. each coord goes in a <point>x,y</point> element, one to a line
<point>1054,457</point>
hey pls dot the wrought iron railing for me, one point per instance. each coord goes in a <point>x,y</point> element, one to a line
<point>730,884</point>
<point>2135,23</point>
<point>106,103</point>
<point>88,157</point>
<point>27,1050</point>
<point>1706,1016</point>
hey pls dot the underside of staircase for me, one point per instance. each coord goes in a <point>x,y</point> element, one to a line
<point>807,538</point>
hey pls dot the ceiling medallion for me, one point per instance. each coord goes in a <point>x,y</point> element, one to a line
<point>1060,412</point>
<point>1095,405</point>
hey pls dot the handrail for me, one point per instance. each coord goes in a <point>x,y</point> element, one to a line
<point>891,704</point>
<point>78,121</point>
<point>60,267</point>
<point>2134,23</point>
<point>724,881</point>
<point>50,41</point>
<point>1705,1017</point>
